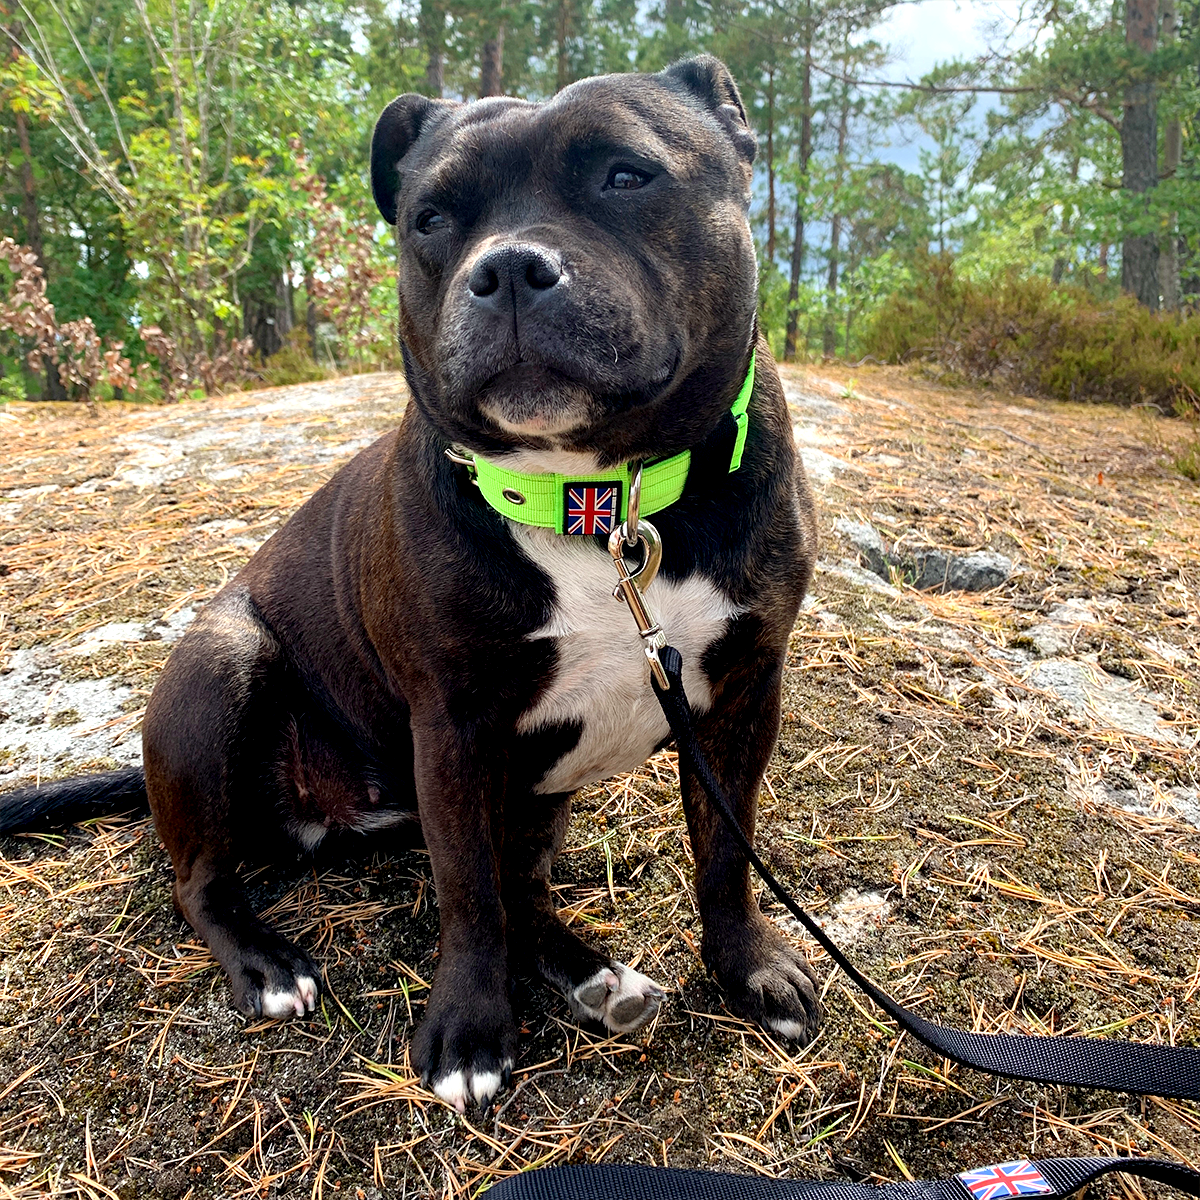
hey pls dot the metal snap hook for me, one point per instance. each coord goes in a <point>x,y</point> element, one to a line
<point>631,588</point>
<point>648,537</point>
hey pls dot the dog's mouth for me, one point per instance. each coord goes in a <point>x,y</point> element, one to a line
<point>532,400</point>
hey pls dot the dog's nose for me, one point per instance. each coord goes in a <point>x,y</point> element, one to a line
<point>518,269</point>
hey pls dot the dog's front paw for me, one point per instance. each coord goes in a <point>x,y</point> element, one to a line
<point>464,1052</point>
<point>272,978</point>
<point>766,980</point>
<point>617,996</point>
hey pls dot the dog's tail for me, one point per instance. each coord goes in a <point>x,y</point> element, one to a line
<point>61,801</point>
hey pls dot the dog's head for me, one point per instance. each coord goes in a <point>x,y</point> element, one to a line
<point>579,274</point>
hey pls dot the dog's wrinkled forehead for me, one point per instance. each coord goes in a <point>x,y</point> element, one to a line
<point>688,120</point>
<point>508,142</point>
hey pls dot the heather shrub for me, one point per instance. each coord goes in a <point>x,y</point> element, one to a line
<point>1030,336</point>
<point>292,364</point>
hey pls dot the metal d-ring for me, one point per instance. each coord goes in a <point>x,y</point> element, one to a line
<point>629,531</point>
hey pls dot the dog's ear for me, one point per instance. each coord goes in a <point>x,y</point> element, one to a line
<point>398,127</point>
<point>708,79</point>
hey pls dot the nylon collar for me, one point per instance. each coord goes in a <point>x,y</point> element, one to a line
<point>595,503</point>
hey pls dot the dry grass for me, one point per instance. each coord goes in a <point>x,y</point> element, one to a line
<point>951,816</point>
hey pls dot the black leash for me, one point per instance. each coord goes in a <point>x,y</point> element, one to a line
<point>1054,1178</point>
<point>1083,1062</point>
<point>1136,1067</point>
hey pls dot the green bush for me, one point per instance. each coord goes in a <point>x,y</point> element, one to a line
<point>12,389</point>
<point>1030,336</point>
<point>292,364</point>
<point>1188,462</point>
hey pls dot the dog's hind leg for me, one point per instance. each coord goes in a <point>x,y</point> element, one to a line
<point>212,742</point>
<point>597,988</point>
<point>268,975</point>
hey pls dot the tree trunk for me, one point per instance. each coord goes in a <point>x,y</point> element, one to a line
<point>771,164</point>
<point>1189,284</point>
<point>829,335</point>
<point>267,317</point>
<point>1060,261</point>
<point>797,265</point>
<point>310,312</point>
<point>1168,263</point>
<point>435,74</point>
<point>33,239</point>
<point>491,72</point>
<point>285,305</point>
<point>562,75</point>
<point>1139,156</point>
<point>29,208</point>
<point>1173,243</point>
<point>432,24</point>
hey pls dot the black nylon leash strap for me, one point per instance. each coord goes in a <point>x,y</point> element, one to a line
<point>1053,1178</point>
<point>1143,1069</point>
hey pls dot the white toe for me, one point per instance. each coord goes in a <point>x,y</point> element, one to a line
<point>278,1003</point>
<point>306,987</point>
<point>618,996</point>
<point>796,1030</point>
<point>453,1089</point>
<point>484,1085</point>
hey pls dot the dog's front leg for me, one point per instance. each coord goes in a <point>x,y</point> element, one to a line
<point>765,978</point>
<point>465,1045</point>
<point>596,986</point>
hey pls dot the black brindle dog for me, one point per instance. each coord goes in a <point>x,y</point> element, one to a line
<point>577,292</point>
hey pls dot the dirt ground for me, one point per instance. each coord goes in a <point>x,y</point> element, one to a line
<point>990,797</point>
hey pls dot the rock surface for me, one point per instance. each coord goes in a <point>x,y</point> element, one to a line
<point>925,570</point>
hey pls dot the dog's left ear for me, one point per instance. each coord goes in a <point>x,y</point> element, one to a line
<point>708,79</point>
<point>398,127</point>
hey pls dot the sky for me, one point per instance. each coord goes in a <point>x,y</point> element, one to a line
<point>932,31</point>
<point>928,32</point>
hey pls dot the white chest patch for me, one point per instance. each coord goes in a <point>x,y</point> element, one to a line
<point>603,678</point>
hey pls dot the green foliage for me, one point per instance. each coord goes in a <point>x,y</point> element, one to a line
<point>11,389</point>
<point>173,149</point>
<point>1188,463</point>
<point>292,364</point>
<point>1027,335</point>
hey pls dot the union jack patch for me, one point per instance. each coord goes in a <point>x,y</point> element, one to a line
<point>591,507</point>
<point>1019,1178</point>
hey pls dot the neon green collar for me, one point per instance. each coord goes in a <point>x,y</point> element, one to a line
<point>597,503</point>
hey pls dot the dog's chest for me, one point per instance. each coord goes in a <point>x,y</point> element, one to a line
<point>602,678</point>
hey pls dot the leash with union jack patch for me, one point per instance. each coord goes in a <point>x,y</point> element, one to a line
<point>1055,1178</point>
<point>1137,1067</point>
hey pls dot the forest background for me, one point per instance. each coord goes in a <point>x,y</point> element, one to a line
<point>185,202</point>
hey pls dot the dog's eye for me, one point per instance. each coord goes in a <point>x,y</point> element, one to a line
<point>429,221</point>
<point>627,178</point>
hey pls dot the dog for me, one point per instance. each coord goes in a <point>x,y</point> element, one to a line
<point>577,286</point>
